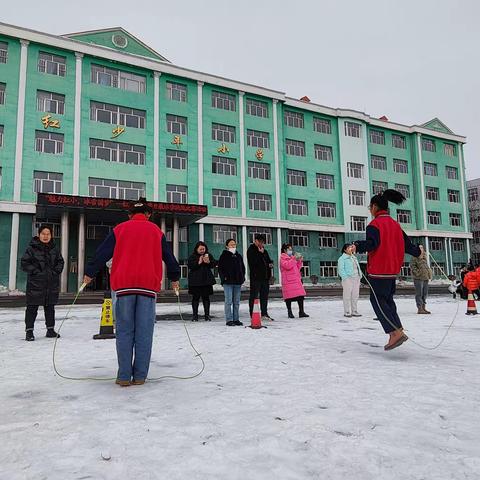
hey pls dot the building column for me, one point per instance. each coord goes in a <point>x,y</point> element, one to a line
<point>467,240</point>
<point>464,185</point>
<point>77,123</point>
<point>244,248</point>
<point>427,250</point>
<point>81,250</point>
<point>445,244</point>
<point>200,141</point>
<point>156,133</point>
<point>242,154</point>
<point>201,232</point>
<point>452,269</point>
<point>163,228</point>
<point>279,251</point>
<point>64,251</point>
<point>276,159</point>
<point>175,238</point>
<point>422,182</point>
<point>12,272</point>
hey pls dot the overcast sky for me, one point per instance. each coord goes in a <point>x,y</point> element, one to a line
<point>410,60</point>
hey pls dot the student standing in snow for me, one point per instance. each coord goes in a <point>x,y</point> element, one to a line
<point>421,274</point>
<point>43,264</point>
<point>138,248</point>
<point>386,244</point>
<point>231,270</point>
<point>200,279</point>
<point>292,286</point>
<point>350,273</point>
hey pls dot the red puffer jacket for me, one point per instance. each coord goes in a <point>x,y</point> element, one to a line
<point>470,282</point>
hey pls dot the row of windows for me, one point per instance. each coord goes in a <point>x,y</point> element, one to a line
<point>356,170</point>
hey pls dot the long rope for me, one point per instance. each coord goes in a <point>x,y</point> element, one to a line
<point>103,379</point>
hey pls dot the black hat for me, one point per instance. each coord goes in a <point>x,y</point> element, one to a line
<point>140,206</point>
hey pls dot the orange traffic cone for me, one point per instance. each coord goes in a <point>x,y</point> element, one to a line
<point>256,316</point>
<point>471,307</point>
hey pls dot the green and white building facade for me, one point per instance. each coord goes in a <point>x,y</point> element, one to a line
<point>100,114</point>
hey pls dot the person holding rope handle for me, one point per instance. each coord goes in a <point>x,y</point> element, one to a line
<point>138,248</point>
<point>386,244</point>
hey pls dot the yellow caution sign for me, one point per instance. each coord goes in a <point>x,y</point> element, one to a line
<point>106,320</point>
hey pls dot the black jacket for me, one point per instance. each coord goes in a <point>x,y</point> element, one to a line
<point>43,263</point>
<point>231,268</point>
<point>200,275</point>
<point>258,264</point>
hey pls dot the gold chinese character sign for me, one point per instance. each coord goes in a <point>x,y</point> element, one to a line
<point>259,154</point>
<point>117,131</point>
<point>223,149</point>
<point>48,121</point>
<point>177,140</point>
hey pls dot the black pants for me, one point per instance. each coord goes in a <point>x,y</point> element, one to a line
<point>299,300</point>
<point>261,288</point>
<point>196,302</point>
<point>384,289</point>
<point>31,315</point>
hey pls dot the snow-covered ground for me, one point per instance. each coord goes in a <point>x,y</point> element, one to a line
<point>313,398</point>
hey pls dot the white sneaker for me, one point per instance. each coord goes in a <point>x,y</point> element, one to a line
<point>347,315</point>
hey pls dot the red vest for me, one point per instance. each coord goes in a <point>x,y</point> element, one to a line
<point>387,259</point>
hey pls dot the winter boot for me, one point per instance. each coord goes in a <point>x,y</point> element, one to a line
<point>206,309</point>
<point>421,311</point>
<point>301,311</point>
<point>289,311</point>
<point>425,310</point>
<point>29,337</point>
<point>51,333</point>
<point>195,303</point>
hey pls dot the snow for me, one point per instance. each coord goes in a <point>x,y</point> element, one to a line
<point>313,398</point>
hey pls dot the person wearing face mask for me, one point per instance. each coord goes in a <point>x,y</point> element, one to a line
<point>231,270</point>
<point>292,287</point>
<point>43,264</point>
<point>350,273</point>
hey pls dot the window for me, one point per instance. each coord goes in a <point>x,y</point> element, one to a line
<point>435,243</point>
<point>221,233</point>
<point>296,177</point>
<point>322,125</point>
<point>298,238</point>
<point>432,193</point>
<point>293,119</point>
<point>224,198</point>
<point>297,207</point>
<point>403,189</point>
<point>378,137</point>
<point>379,187</point>
<point>399,141</point>
<point>458,244</point>
<point>455,220</point>
<point>55,224</point>
<point>434,218</point>
<point>305,269</point>
<point>358,224</point>
<point>176,91</point>
<point>98,231</point>
<point>258,139</point>
<point>322,152</point>
<point>325,181</point>
<point>352,129</point>
<point>177,159</point>
<point>182,235</point>
<point>50,102</point>
<point>378,162</point>
<point>328,269</point>
<point>224,165</point>
<point>326,210</point>
<point>257,108</point>
<point>3,52</point>
<point>438,269</point>
<point>225,101</point>
<point>117,152</point>
<point>1,135</point>
<point>449,149</point>
<point>457,267</point>
<point>295,147</point>
<point>118,189</point>
<point>183,264</point>
<point>428,145</point>
<point>472,194</point>
<point>259,170</point>
<point>52,64</point>
<point>223,133</point>
<point>260,202</point>
<point>354,170</point>
<point>264,231</point>
<point>47,142</point>
<point>117,79</point>
<point>452,173</point>
<point>430,169</point>
<point>327,240</point>
<point>400,166</point>
<point>176,124</point>
<point>3,87</point>
<point>177,194</point>
<point>116,115</point>
<point>356,197</point>
<point>405,271</point>
<point>404,216</point>
<point>454,196</point>
<point>47,182</point>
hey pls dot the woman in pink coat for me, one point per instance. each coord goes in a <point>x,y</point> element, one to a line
<point>292,287</point>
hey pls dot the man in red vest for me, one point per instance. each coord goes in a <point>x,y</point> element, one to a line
<point>138,248</point>
<point>386,244</point>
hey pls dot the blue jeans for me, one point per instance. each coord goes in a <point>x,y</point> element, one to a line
<point>135,319</point>
<point>232,301</point>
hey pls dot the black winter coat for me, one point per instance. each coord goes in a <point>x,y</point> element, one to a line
<point>200,275</point>
<point>258,264</point>
<point>43,263</point>
<point>231,268</point>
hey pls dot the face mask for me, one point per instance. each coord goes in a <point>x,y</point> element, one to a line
<point>289,253</point>
<point>232,250</point>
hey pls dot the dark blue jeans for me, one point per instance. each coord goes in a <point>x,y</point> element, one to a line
<point>384,289</point>
<point>134,322</point>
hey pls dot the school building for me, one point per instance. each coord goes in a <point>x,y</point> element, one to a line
<point>90,120</point>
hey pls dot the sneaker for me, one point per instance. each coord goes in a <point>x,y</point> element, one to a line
<point>208,318</point>
<point>238,323</point>
<point>51,333</point>
<point>231,323</point>
<point>137,382</point>
<point>356,314</point>
<point>303,315</point>
<point>29,337</point>
<point>123,383</point>
<point>347,315</point>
